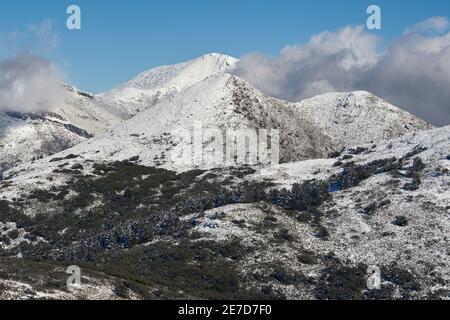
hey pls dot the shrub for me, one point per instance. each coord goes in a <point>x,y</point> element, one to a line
<point>400,221</point>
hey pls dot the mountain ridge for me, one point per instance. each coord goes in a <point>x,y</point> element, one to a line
<point>327,122</point>
<point>225,101</point>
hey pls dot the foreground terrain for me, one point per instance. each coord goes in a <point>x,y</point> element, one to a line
<point>305,230</point>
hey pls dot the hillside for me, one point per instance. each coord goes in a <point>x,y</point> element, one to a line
<point>303,230</point>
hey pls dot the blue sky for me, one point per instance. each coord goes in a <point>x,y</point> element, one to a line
<point>122,38</point>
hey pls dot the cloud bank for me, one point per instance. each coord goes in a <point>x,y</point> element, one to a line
<point>29,82</point>
<point>412,73</point>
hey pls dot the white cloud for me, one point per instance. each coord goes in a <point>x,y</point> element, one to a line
<point>438,24</point>
<point>413,72</point>
<point>329,61</point>
<point>44,35</point>
<point>29,84</point>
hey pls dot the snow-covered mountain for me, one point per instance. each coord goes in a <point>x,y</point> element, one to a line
<point>362,184</point>
<point>201,90</point>
<point>154,85</point>
<point>360,117</point>
<point>220,101</point>
<point>310,129</point>
<point>26,137</point>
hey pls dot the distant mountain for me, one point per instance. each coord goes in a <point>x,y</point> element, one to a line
<point>360,117</point>
<point>26,137</point>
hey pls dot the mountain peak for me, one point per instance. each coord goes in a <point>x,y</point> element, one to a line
<point>150,87</point>
<point>216,55</point>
